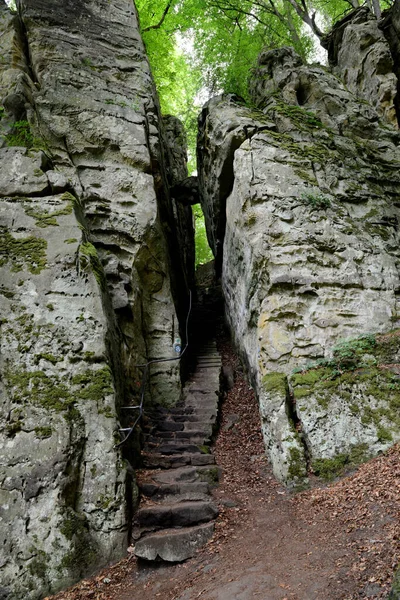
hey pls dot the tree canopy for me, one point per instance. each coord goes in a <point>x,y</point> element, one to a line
<point>213,44</point>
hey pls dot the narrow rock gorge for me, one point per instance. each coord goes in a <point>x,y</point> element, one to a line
<point>300,191</point>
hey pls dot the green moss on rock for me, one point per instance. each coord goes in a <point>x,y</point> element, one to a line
<point>44,218</point>
<point>43,432</point>
<point>39,564</point>
<point>329,468</point>
<point>297,464</point>
<point>82,551</point>
<point>274,382</point>
<point>88,258</point>
<point>29,252</point>
<point>395,591</point>
<point>94,385</point>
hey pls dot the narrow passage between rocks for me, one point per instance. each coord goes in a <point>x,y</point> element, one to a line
<point>330,542</point>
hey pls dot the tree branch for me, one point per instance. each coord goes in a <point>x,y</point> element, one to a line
<point>161,21</point>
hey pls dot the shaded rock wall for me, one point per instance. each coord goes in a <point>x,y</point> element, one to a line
<point>87,239</point>
<point>311,246</point>
<point>390,25</point>
<point>359,54</point>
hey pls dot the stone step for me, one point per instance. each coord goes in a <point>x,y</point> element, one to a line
<point>174,545</point>
<point>180,514</point>
<point>169,425</point>
<point>176,435</point>
<point>208,414</point>
<point>196,426</point>
<point>200,489</point>
<point>174,447</point>
<point>181,474</point>
<point>207,403</point>
<point>189,474</point>
<point>153,460</point>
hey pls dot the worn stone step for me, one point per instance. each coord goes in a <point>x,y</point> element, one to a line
<point>216,360</point>
<point>153,460</point>
<point>180,410</point>
<point>196,490</point>
<point>209,403</point>
<point>208,414</point>
<point>181,514</point>
<point>208,473</point>
<point>169,425</point>
<point>199,426</point>
<point>174,545</point>
<point>181,474</point>
<point>174,447</point>
<point>176,435</point>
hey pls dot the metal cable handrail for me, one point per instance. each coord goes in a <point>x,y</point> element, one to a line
<point>146,366</point>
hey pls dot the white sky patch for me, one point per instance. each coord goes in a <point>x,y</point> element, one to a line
<point>319,53</point>
<point>185,43</point>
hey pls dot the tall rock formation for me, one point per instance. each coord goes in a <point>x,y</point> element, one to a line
<point>301,196</point>
<point>87,239</point>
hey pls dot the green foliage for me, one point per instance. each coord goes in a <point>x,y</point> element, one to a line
<point>316,201</point>
<point>43,432</point>
<point>203,250</point>
<point>21,135</point>
<point>348,354</point>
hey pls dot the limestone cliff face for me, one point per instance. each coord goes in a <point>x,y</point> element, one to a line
<point>87,238</point>
<point>301,195</point>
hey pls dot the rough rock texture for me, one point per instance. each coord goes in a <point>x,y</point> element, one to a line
<point>311,244</point>
<point>360,55</point>
<point>85,293</point>
<point>390,25</point>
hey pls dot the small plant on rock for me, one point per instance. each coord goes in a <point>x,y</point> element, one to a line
<point>317,201</point>
<point>21,135</point>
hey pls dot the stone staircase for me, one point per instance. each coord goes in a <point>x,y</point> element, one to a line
<point>176,514</point>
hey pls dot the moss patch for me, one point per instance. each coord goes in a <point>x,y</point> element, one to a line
<point>29,252</point>
<point>43,432</point>
<point>274,382</point>
<point>82,551</point>
<point>20,135</point>
<point>94,385</point>
<point>329,468</point>
<point>297,465</point>
<point>88,258</point>
<point>38,565</point>
<point>44,218</point>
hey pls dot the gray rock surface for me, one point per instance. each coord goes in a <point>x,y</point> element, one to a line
<point>302,194</point>
<point>85,292</point>
<point>359,54</point>
<point>174,545</point>
<point>390,26</point>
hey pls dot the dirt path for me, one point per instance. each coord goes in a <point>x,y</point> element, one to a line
<point>339,542</point>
